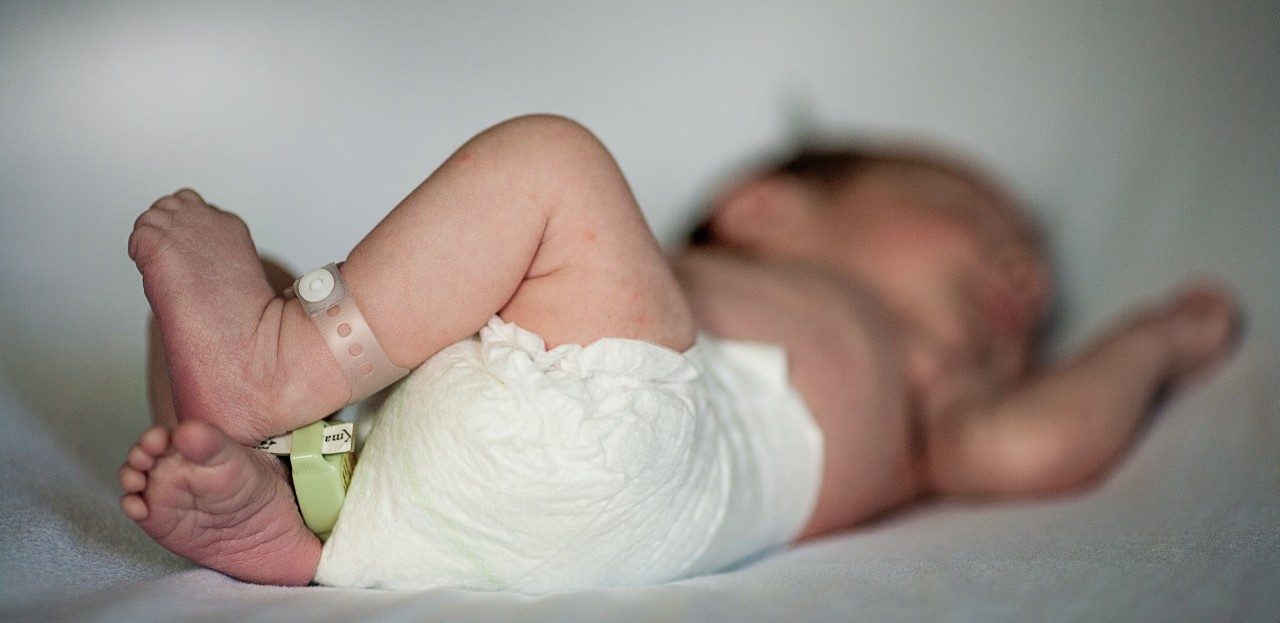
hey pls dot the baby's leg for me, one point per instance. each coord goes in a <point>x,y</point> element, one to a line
<point>531,220</point>
<point>1061,431</point>
<point>209,499</point>
<point>159,390</point>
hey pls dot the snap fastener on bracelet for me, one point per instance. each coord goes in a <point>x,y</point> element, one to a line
<point>325,299</point>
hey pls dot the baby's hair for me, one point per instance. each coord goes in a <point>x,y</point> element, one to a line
<point>825,167</point>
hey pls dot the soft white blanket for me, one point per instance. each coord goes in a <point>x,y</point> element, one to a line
<point>1187,529</point>
<point>1145,134</point>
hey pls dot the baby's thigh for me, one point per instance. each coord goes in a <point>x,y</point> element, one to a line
<point>598,271</point>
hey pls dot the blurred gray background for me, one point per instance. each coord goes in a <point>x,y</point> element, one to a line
<point>1147,135</point>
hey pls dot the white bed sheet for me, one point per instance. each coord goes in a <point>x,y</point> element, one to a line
<point>1188,529</point>
<point>1145,133</point>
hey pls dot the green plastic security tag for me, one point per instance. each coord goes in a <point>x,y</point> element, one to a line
<point>319,480</point>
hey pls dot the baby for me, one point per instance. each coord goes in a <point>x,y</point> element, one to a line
<point>903,296</point>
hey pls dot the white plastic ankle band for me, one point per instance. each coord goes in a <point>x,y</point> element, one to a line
<point>324,297</point>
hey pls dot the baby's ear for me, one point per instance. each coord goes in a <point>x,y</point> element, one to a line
<point>762,211</point>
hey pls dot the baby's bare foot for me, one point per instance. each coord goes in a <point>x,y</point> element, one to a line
<point>219,504</point>
<point>220,322</point>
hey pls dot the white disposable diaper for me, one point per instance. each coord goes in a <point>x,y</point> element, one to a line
<point>499,464</point>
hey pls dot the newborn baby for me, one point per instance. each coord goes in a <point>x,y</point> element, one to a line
<point>850,332</point>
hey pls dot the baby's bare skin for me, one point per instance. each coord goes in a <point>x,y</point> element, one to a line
<point>220,503</point>
<point>844,360</point>
<point>849,361</point>
<point>530,220</point>
<point>941,287</point>
<point>916,382</point>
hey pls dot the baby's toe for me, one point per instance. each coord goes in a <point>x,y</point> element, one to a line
<point>155,441</point>
<point>132,480</point>
<point>168,203</point>
<point>198,442</point>
<point>187,194</point>
<point>140,459</point>
<point>133,506</point>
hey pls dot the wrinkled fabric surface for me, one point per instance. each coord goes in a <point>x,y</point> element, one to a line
<point>1144,134</point>
<point>1187,529</point>
<point>499,464</point>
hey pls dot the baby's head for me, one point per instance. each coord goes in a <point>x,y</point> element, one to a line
<point>950,251</point>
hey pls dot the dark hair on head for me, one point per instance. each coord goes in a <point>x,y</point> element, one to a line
<point>826,166</point>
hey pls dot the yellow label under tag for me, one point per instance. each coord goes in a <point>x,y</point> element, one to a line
<point>348,465</point>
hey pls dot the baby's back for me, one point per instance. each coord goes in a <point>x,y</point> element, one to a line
<point>845,362</point>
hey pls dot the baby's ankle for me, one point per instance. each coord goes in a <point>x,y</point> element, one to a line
<point>307,382</point>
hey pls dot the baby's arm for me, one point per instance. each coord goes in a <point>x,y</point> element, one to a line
<point>1060,430</point>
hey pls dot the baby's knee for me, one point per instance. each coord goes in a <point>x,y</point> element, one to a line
<point>543,125</point>
<point>544,163</point>
<point>555,146</point>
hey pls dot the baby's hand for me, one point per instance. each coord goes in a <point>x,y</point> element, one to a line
<point>1201,325</point>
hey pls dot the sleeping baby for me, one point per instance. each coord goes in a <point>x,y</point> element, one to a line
<point>849,331</point>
